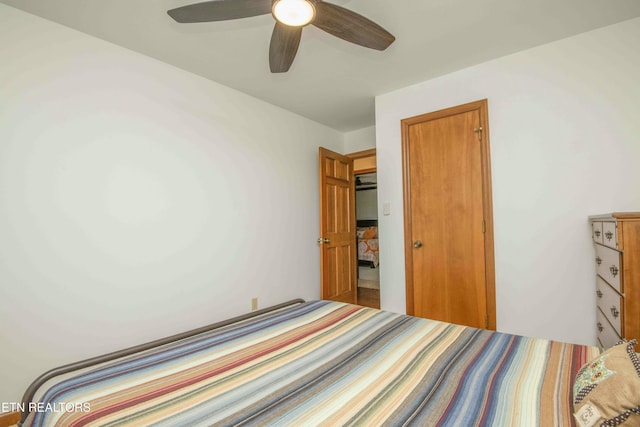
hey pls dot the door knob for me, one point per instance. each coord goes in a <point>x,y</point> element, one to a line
<point>321,240</point>
<point>417,244</point>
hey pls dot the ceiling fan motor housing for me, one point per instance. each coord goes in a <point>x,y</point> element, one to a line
<point>295,13</point>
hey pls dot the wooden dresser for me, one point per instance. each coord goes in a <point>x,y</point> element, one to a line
<point>616,237</point>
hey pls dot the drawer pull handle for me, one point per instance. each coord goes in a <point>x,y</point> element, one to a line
<point>599,293</point>
<point>614,270</point>
<point>598,260</point>
<point>600,328</point>
<point>615,311</point>
<point>608,235</point>
<point>597,233</point>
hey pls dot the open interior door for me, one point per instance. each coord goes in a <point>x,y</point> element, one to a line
<point>337,241</point>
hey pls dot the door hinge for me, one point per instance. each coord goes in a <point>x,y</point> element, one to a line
<point>478,132</point>
<point>484,226</point>
<point>486,322</point>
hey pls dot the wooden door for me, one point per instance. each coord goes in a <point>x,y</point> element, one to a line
<point>448,216</point>
<point>338,256</point>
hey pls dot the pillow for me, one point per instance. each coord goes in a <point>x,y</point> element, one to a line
<point>367,232</point>
<point>370,233</point>
<point>607,389</point>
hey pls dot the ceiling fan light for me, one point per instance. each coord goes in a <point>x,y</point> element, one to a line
<point>295,13</point>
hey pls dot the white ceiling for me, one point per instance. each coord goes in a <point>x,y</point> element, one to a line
<point>332,81</point>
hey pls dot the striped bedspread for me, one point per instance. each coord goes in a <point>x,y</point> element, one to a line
<point>333,364</point>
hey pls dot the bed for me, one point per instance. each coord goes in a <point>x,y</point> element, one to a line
<point>367,237</point>
<point>321,363</point>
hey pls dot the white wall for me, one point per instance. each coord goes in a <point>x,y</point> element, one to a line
<point>367,204</point>
<point>564,135</point>
<point>360,140</point>
<point>138,200</point>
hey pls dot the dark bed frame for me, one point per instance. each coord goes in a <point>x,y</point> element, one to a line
<point>367,223</point>
<point>35,385</point>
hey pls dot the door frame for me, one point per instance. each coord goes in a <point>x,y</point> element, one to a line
<point>360,155</point>
<point>487,205</point>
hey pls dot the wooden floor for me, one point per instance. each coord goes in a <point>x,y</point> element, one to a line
<point>369,297</point>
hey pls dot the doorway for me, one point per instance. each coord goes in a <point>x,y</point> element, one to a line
<point>450,273</point>
<point>340,234</point>
<point>366,209</point>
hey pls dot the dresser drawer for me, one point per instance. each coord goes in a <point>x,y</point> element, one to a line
<point>610,302</point>
<point>610,234</point>
<point>608,266</point>
<point>606,334</point>
<point>596,232</point>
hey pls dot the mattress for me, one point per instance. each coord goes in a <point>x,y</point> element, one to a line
<point>368,250</point>
<point>328,363</point>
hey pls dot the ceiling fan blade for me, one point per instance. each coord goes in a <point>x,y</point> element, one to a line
<point>284,46</point>
<point>350,26</point>
<point>220,10</point>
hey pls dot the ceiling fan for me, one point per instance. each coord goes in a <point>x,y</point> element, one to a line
<point>291,16</point>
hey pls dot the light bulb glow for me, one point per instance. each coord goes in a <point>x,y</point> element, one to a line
<point>294,13</point>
